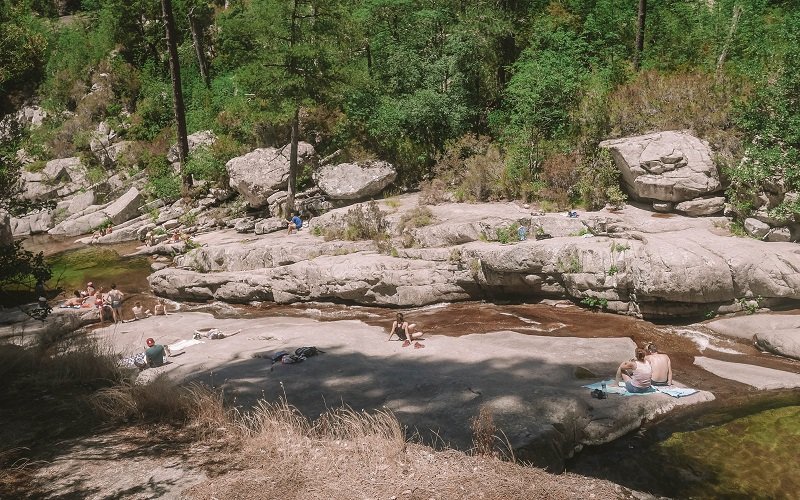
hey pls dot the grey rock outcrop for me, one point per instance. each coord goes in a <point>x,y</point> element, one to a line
<point>31,116</point>
<point>756,228</point>
<point>354,181</point>
<point>665,166</point>
<point>124,208</point>
<point>776,333</point>
<point>702,206</point>
<point>632,263</point>
<point>36,223</point>
<point>270,225</point>
<point>201,139</point>
<point>264,171</point>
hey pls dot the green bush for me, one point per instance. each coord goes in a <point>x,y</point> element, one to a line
<point>162,181</point>
<point>599,181</point>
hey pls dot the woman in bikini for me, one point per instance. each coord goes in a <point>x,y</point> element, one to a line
<point>404,331</point>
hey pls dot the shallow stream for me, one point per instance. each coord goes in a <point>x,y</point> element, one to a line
<point>743,445</point>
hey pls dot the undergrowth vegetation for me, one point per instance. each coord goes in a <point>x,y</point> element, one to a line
<point>479,101</point>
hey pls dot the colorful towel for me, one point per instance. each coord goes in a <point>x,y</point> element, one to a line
<point>613,388</point>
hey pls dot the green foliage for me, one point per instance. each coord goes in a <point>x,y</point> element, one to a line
<point>599,181</point>
<point>750,306</point>
<point>365,221</point>
<point>204,166</point>
<point>508,234</point>
<point>163,183</point>
<point>23,46</point>
<point>595,302</point>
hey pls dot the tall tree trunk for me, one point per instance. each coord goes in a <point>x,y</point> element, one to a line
<point>637,54</point>
<point>293,163</point>
<point>197,39</point>
<point>177,95</point>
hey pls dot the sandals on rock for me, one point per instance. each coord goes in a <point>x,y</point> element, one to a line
<point>406,343</point>
<point>417,345</point>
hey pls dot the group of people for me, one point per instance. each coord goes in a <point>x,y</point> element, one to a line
<point>110,302</point>
<point>649,368</point>
<point>100,233</point>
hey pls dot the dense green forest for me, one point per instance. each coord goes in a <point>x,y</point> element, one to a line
<point>487,99</point>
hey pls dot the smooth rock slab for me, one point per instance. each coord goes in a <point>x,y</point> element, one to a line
<point>756,376</point>
<point>528,381</point>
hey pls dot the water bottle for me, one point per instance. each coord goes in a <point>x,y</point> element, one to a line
<point>603,386</point>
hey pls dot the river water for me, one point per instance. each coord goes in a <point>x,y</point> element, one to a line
<point>743,445</point>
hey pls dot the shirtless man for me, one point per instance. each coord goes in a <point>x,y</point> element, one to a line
<point>662,367</point>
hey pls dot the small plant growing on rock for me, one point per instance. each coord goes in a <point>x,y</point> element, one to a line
<point>508,234</point>
<point>316,231</point>
<point>571,265</point>
<point>612,270</point>
<point>750,305</point>
<point>595,302</point>
<point>419,217</point>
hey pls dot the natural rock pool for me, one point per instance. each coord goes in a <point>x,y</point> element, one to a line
<point>742,445</point>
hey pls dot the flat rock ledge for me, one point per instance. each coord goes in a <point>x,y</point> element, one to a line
<point>529,382</point>
<point>626,262</point>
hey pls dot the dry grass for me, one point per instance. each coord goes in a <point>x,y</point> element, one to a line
<point>275,451</point>
<point>349,454</point>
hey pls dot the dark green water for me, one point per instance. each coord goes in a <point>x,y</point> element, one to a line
<point>103,266</point>
<point>742,448</point>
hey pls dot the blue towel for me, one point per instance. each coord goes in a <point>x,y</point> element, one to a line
<point>613,388</point>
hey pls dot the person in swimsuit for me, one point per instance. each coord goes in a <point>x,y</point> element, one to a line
<point>403,330</point>
<point>662,366</point>
<point>636,373</point>
<point>114,298</point>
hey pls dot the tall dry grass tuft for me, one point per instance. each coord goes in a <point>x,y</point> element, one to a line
<point>201,409</point>
<point>483,432</point>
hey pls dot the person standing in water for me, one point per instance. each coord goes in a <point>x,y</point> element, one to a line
<point>114,298</point>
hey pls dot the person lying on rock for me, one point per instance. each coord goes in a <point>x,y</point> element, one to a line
<point>403,330</point>
<point>662,367</point>
<point>156,354</point>
<point>636,373</point>
<point>75,301</point>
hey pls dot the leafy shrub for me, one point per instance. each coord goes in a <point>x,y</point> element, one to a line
<point>595,302</point>
<point>697,101</point>
<point>163,183</point>
<point>508,234</point>
<point>473,168</point>
<point>204,166</point>
<point>362,222</point>
<point>599,181</point>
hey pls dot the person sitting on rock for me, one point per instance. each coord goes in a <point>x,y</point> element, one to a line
<point>404,331</point>
<point>160,309</point>
<point>90,289</point>
<point>176,237</point>
<point>101,305</point>
<point>295,224</point>
<point>662,366</point>
<point>636,373</point>
<point>156,354</point>
<point>139,312</point>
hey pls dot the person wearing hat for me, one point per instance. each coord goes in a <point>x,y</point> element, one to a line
<point>156,354</point>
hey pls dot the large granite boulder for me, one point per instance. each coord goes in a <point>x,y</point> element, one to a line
<point>36,223</point>
<point>354,181</point>
<point>264,171</point>
<point>776,333</point>
<point>201,139</point>
<point>59,178</point>
<point>701,206</point>
<point>26,117</point>
<point>665,166</point>
<point>124,208</point>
